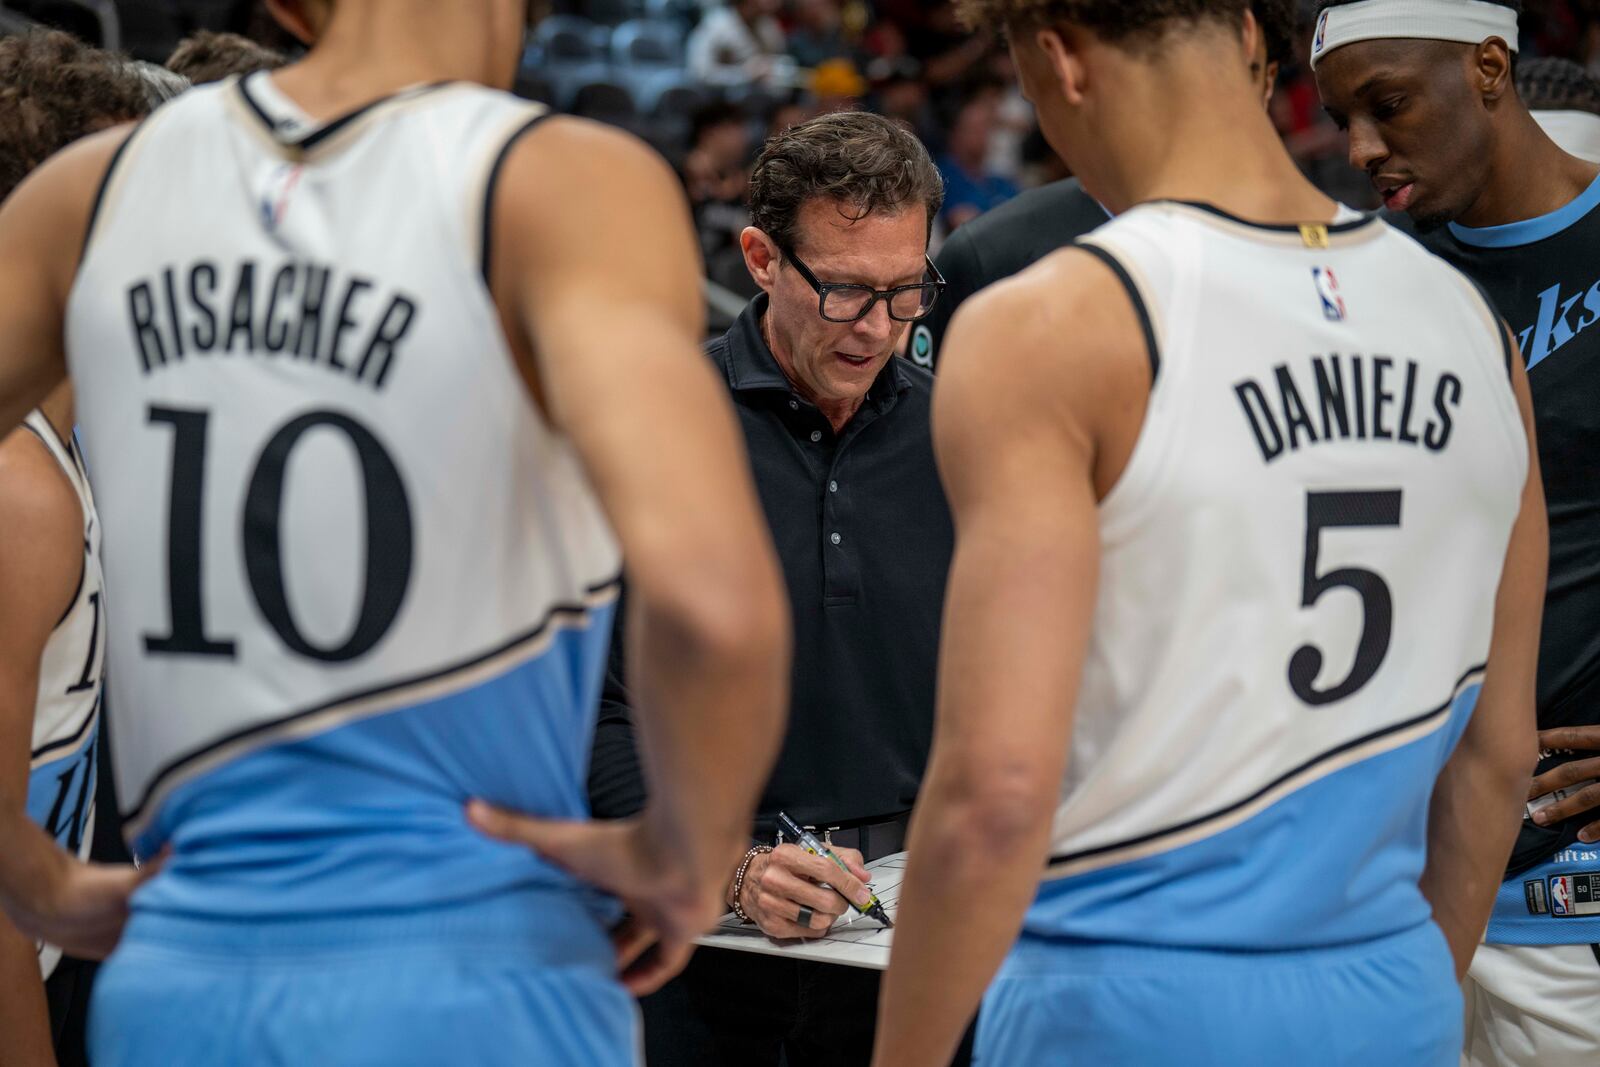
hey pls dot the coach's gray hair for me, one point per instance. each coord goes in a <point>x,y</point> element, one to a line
<point>160,84</point>
<point>865,162</point>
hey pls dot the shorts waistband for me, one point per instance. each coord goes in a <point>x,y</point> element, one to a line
<point>535,926</point>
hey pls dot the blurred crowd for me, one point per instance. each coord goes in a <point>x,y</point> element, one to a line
<point>706,81</point>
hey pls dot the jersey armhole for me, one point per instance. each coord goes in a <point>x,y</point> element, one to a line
<point>1152,348</point>
<point>83,564</point>
<point>95,208</point>
<point>1499,326</point>
<point>487,240</point>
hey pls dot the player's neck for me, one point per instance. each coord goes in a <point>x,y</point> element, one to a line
<point>1218,147</point>
<point>1531,176</point>
<point>367,53</point>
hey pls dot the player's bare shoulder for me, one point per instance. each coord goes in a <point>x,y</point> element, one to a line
<point>1066,327</point>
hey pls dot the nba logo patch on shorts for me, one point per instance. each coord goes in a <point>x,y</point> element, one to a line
<point>1561,895</point>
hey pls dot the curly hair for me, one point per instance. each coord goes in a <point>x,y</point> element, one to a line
<point>869,162</point>
<point>1112,20</point>
<point>54,89</point>
<point>210,57</point>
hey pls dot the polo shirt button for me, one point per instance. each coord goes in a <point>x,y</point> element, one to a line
<point>816,435</point>
<point>836,539</point>
<point>833,487</point>
<point>794,405</point>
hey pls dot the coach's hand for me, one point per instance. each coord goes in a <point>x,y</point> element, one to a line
<point>666,909</point>
<point>778,884</point>
<point>1575,739</point>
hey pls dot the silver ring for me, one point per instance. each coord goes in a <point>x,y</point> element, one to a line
<point>805,917</point>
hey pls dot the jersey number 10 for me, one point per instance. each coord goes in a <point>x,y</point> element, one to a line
<point>388,535</point>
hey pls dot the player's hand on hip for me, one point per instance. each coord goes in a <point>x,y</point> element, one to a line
<point>1569,775</point>
<point>786,891</point>
<point>86,907</point>
<point>666,909</point>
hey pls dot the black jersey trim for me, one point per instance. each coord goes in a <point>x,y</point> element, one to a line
<point>1145,323</point>
<point>78,735</point>
<point>487,239</point>
<point>1499,324</point>
<point>1222,813</point>
<point>105,184</point>
<point>83,566</point>
<point>557,611</point>
<point>328,129</point>
<point>1274,227</point>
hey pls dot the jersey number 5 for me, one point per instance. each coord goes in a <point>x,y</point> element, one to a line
<point>388,534</point>
<point>1334,510</point>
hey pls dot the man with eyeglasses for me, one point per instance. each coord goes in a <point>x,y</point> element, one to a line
<point>838,431</point>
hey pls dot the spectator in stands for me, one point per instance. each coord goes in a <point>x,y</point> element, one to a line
<point>740,44</point>
<point>947,52</point>
<point>970,187</point>
<point>1565,100</point>
<point>715,175</point>
<point>818,33</point>
<point>899,93</point>
<point>210,57</point>
<point>838,86</point>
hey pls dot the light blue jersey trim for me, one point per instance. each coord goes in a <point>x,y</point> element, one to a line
<point>370,817</point>
<point>1516,234</point>
<point>1334,862</point>
<point>1552,888</point>
<point>61,792</point>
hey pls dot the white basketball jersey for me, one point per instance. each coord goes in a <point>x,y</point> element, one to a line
<point>330,493</point>
<point>1297,583</point>
<point>66,720</point>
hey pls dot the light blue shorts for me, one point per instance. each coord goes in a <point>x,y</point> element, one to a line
<point>1380,1003</point>
<point>422,989</point>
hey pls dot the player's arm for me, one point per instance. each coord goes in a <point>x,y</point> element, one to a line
<point>1478,801</point>
<point>42,225</point>
<point>595,262</point>
<point>40,553</point>
<point>1019,466</point>
<point>52,897</point>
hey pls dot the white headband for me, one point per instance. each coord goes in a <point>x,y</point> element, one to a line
<point>1467,21</point>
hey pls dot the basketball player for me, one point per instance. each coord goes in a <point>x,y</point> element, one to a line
<point>1025,229</point>
<point>371,362</point>
<point>1235,483</point>
<point>53,90</point>
<point>1426,89</point>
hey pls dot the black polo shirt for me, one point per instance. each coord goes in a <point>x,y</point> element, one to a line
<point>1002,242</point>
<point>864,536</point>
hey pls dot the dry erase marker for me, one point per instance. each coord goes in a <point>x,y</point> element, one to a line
<point>808,841</point>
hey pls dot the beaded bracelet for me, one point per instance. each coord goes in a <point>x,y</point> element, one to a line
<point>738,881</point>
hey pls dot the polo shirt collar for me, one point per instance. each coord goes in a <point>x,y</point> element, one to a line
<point>752,367</point>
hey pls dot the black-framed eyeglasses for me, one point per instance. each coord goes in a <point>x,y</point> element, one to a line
<point>852,303</point>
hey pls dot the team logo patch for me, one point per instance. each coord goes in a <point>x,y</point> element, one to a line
<point>922,346</point>
<point>1333,307</point>
<point>1320,41</point>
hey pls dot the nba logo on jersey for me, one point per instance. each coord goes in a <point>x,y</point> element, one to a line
<point>1561,895</point>
<point>280,190</point>
<point>1328,289</point>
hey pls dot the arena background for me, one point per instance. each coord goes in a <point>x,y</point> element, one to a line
<point>657,67</point>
